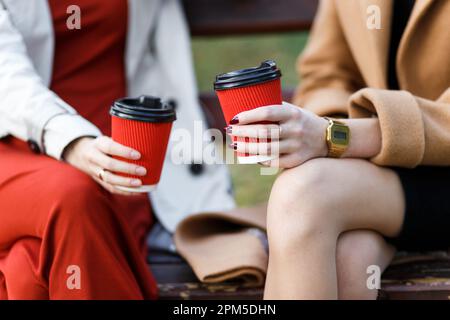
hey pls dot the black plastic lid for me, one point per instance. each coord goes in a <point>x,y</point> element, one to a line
<point>144,108</point>
<point>267,71</point>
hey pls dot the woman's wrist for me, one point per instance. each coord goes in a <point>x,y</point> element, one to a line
<point>365,140</point>
<point>323,145</point>
<point>70,149</point>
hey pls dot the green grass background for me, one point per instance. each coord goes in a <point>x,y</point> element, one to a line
<point>218,55</point>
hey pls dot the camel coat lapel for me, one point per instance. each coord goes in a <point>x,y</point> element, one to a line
<point>376,43</point>
<point>371,46</point>
<point>406,51</point>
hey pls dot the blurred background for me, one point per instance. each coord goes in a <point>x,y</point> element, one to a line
<point>214,55</point>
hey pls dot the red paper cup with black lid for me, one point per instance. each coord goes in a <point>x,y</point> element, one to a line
<point>144,124</point>
<point>247,89</point>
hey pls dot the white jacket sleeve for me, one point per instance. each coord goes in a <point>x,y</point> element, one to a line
<point>27,106</point>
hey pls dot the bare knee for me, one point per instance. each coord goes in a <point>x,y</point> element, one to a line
<point>298,210</point>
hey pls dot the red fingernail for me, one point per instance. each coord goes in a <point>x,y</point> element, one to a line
<point>233,145</point>
<point>235,120</point>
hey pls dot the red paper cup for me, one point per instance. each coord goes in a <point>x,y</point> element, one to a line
<point>245,90</point>
<point>143,124</point>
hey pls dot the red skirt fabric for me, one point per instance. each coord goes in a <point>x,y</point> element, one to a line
<point>62,236</point>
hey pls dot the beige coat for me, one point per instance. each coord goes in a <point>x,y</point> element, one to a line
<point>344,70</point>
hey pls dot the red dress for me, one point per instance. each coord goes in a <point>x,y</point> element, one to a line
<point>56,219</point>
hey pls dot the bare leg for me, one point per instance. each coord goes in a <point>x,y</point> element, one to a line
<point>356,250</point>
<point>310,206</point>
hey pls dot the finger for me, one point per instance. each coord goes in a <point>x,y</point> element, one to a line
<point>109,146</point>
<point>286,161</point>
<point>266,148</point>
<point>112,189</point>
<point>275,113</point>
<point>117,180</point>
<point>101,160</point>
<point>262,131</point>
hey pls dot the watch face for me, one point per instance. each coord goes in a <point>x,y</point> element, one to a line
<point>340,134</point>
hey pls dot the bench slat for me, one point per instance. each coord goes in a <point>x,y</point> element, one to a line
<point>234,17</point>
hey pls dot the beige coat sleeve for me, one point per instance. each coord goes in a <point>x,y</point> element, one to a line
<point>415,131</point>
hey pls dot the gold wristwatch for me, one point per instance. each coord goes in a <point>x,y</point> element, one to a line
<point>337,137</point>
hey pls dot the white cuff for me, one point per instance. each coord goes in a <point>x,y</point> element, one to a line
<point>61,130</point>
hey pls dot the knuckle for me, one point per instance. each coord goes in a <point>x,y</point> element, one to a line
<point>97,143</point>
<point>109,147</point>
<point>296,113</point>
<point>131,169</point>
<point>122,149</point>
<point>297,131</point>
<point>101,140</point>
<point>268,113</point>
<point>296,144</point>
<point>110,164</point>
<point>111,178</point>
<point>90,157</point>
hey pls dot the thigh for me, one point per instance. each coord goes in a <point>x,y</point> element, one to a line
<point>351,194</point>
<point>32,187</point>
<point>29,185</point>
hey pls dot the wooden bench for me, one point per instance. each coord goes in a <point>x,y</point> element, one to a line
<point>411,276</point>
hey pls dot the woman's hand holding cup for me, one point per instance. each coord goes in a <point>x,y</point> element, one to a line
<point>94,157</point>
<point>295,135</point>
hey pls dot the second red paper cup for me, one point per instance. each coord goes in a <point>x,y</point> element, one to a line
<point>247,89</point>
<point>143,124</point>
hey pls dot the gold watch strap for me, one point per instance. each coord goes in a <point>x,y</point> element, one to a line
<point>334,150</point>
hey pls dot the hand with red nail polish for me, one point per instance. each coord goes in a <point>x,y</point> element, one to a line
<point>293,133</point>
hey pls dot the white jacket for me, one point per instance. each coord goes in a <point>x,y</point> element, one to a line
<point>158,62</point>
